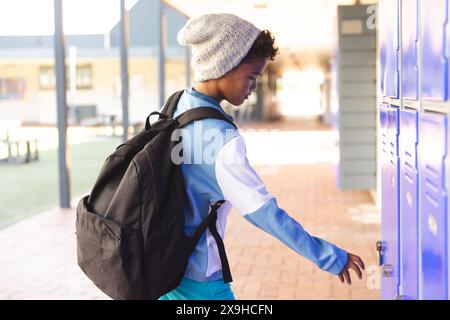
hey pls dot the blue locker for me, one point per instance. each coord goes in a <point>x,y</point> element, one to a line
<point>390,208</point>
<point>410,38</point>
<point>384,133</point>
<point>384,160</point>
<point>384,147</point>
<point>409,244</point>
<point>389,46</point>
<point>434,60</point>
<point>433,205</point>
<point>382,42</point>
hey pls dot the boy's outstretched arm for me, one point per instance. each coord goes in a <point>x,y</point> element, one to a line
<point>243,188</point>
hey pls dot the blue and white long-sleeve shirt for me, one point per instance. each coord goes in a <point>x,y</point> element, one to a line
<point>215,167</point>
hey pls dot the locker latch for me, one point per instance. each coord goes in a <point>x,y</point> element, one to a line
<point>381,247</point>
<point>388,270</point>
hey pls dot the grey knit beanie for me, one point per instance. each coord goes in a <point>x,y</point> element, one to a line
<point>218,41</point>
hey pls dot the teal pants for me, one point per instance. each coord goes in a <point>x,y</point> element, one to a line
<point>194,290</point>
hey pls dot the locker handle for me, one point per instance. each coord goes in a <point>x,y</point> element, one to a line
<point>381,247</point>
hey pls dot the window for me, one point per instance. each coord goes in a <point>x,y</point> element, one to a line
<point>12,88</point>
<point>84,77</point>
<point>47,79</point>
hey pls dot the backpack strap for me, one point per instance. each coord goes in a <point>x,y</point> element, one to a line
<point>171,103</point>
<point>220,245</point>
<point>188,116</point>
<point>168,109</point>
<point>201,113</point>
<point>210,222</point>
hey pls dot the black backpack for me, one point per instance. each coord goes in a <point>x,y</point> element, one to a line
<point>130,230</point>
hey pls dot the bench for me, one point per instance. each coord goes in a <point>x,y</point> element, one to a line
<point>13,145</point>
<point>14,151</point>
<point>102,122</point>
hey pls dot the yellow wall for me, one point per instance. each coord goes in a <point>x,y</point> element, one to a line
<point>40,105</point>
<point>23,109</point>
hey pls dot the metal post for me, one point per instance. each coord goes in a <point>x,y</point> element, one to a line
<point>161,34</point>
<point>60,70</point>
<point>188,66</point>
<point>72,79</point>
<point>124,67</point>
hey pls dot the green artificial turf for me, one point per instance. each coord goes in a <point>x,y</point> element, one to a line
<point>30,188</point>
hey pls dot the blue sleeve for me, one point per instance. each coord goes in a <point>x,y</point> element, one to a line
<point>279,224</point>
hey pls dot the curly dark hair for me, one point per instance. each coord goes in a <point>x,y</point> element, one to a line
<point>263,48</point>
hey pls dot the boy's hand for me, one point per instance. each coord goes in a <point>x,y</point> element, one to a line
<point>354,262</point>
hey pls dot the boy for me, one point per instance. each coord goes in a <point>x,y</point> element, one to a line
<point>228,54</point>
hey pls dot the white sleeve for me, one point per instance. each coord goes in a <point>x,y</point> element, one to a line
<point>239,182</point>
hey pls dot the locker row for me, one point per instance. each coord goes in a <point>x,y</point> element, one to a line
<point>414,178</point>
<point>420,25</point>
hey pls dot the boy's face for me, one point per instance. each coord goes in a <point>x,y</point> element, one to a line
<point>238,84</point>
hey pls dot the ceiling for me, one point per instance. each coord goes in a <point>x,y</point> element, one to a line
<point>303,29</point>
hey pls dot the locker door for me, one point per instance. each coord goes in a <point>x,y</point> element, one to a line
<point>434,61</point>
<point>390,212</point>
<point>410,34</point>
<point>433,205</point>
<point>389,47</point>
<point>384,142</point>
<point>385,187</point>
<point>409,247</point>
<point>382,41</point>
<point>391,73</point>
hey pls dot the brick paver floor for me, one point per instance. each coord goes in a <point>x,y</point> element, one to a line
<point>38,255</point>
